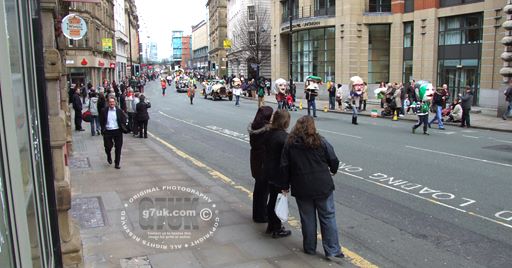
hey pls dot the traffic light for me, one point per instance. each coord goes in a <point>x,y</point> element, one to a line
<point>137,69</point>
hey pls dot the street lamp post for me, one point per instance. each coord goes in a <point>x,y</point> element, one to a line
<point>290,43</point>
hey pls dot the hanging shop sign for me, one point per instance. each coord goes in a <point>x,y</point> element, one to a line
<point>106,43</point>
<point>74,27</point>
<point>227,43</point>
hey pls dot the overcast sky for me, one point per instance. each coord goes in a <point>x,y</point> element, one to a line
<point>158,18</point>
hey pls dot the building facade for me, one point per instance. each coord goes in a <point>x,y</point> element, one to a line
<point>217,21</point>
<point>186,52</point>
<point>134,47</point>
<point>177,46</point>
<point>121,39</point>
<point>92,58</point>
<point>248,28</point>
<point>153,52</point>
<point>36,229</point>
<point>444,41</point>
<point>200,46</point>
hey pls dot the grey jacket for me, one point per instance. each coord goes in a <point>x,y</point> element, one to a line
<point>467,101</point>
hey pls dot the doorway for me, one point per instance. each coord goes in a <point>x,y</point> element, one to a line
<point>458,77</point>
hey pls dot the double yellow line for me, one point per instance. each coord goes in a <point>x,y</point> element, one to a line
<point>353,257</point>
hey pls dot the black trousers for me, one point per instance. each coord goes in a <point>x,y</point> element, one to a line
<point>113,138</point>
<point>143,128</point>
<point>274,223</point>
<point>78,119</point>
<point>259,200</point>
<point>422,119</point>
<point>465,121</point>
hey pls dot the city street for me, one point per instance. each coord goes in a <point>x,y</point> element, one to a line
<point>402,199</point>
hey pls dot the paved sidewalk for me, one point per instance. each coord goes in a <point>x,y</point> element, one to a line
<point>100,192</point>
<point>481,118</point>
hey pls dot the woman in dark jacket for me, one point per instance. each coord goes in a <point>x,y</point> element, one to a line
<point>275,139</point>
<point>257,130</point>
<point>307,163</point>
<point>142,116</point>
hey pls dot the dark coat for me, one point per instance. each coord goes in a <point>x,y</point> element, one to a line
<point>467,101</point>
<point>307,170</point>
<point>102,103</point>
<point>121,118</point>
<point>142,111</point>
<point>257,141</point>
<point>276,139</point>
<point>77,102</point>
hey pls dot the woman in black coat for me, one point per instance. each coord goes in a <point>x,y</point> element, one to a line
<point>142,116</point>
<point>307,164</point>
<point>257,130</point>
<point>275,140</point>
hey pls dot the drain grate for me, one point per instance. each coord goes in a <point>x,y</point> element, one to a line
<point>136,262</point>
<point>79,162</point>
<point>88,211</point>
<point>503,148</point>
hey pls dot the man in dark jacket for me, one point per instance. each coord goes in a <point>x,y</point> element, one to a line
<point>467,101</point>
<point>77,107</point>
<point>113,124</point>
<point>142,116</point>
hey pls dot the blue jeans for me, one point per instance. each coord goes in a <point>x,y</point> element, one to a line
<point>438,117</point>
<point>332,102</point>
<point>312,105</point>
<point>237,100</point>
<point>354,110</point>
<point>308,209</point>
<point>509,109</point>
<point>95,124</point>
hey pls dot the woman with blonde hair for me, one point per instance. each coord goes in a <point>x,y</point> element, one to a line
<point>308,163</point>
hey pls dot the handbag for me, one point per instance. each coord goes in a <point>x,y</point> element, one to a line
<point>87,116</point>
<point>281,208</point>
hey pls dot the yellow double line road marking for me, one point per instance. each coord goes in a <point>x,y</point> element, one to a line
<point>353,257</point>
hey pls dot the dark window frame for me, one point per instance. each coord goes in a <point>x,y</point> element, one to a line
<point>379,6</point>
<point>251,13</point>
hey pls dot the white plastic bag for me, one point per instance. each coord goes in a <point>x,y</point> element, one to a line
<point>281,207</point>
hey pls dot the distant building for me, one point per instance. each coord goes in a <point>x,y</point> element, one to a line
<point>121,39</point>
<point>200,46</point>
<point>186,51</point>
<point>177,46</point>
<point>218,33</point>
<point>153,52</point>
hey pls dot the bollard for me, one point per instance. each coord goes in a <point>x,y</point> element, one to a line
<point>325,108</point>
<point>300,104</point>
<point>395,116</point>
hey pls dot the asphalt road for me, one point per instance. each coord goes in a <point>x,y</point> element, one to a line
<point>403,199</point>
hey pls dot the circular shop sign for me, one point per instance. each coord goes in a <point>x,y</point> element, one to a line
<point>170,217</point>
<point>74,27</point>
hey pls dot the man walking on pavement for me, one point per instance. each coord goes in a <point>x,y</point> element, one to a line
<point>113,123</point>
<point>467,101</point>
<point>77,106</point>
<point>508,98</point>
